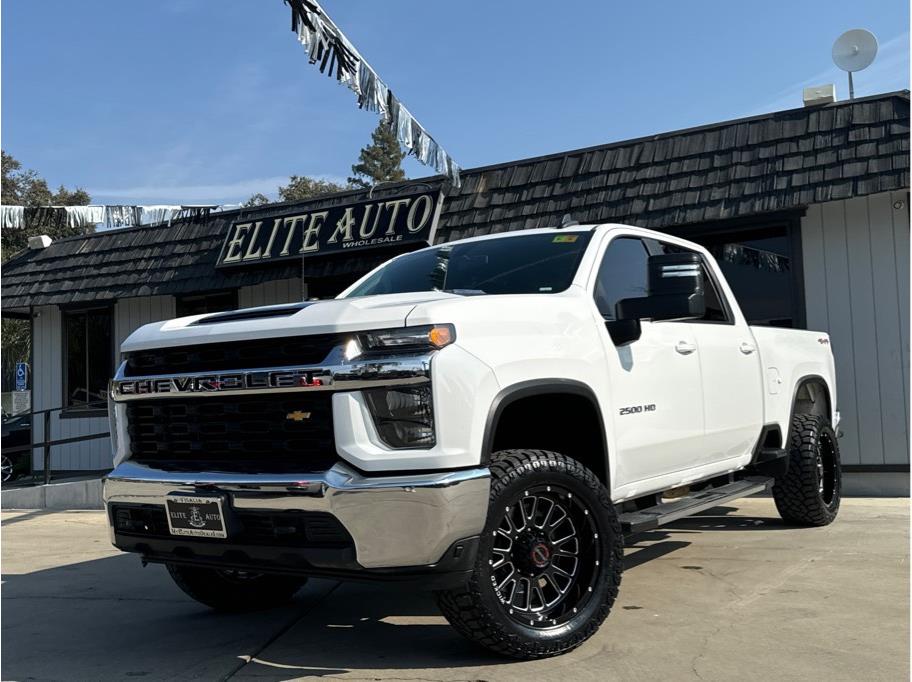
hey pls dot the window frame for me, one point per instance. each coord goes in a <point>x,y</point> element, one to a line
<point>75,411</point>
<point>709,275</point>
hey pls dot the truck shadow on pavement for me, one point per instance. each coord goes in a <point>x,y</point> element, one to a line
<point>110,619</point>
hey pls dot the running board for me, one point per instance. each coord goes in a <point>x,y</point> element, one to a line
<point>667,512</point>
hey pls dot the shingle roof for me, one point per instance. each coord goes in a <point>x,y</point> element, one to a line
<point>765,163</point>
<point>773,162</point>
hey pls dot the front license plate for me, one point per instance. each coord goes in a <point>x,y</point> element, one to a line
<point>196,516</point>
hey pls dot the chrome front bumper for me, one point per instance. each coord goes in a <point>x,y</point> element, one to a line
<point>395,521</point>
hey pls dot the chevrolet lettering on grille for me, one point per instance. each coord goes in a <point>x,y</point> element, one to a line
<point>219,383</point>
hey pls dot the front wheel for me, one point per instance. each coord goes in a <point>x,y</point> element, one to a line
<point>809,493</point>
<point>229,590</point>
<point>549,561</point>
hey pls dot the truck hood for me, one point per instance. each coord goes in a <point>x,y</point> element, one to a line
<point>317,317</point>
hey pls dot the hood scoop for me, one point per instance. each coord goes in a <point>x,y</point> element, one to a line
<point>252,314</point>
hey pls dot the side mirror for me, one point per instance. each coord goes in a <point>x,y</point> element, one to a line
<point>675,290</point>
<point>623,332</point>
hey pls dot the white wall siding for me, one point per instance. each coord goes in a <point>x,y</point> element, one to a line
<point>47,375</point>
<point>856,274</point>
<point>270,293</point>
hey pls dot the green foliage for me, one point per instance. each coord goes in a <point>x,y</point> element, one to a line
<point>301,187</point>
<point>27,188</point>
<point>258,199</point>
<point>380,161</point>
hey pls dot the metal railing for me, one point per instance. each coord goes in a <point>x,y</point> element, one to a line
<point>47,443</point>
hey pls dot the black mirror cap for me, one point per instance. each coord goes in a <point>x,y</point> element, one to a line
<point>623,332</point>
<point>675,273</point>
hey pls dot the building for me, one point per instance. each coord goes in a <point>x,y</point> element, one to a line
<point>806,209</point>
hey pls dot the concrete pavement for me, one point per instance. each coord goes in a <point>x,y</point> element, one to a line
<point>731,594</point>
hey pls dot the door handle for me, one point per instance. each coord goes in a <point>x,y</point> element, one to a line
<point>685,347</point>
<point>747,348</point>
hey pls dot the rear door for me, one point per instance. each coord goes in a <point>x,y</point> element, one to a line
<point>654,382</point>
<point>730,369</point>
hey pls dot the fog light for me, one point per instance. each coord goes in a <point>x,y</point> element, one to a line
<point>404,417</point>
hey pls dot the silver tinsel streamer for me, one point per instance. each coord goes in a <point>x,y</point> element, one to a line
<point>328,47</point>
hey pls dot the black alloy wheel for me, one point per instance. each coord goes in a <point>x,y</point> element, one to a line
<point>544,561</point>
<point>549,559</point>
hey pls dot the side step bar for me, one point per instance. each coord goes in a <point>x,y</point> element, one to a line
<point>661,514</point>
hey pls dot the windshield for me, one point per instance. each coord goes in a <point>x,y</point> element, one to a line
<point>530,264</point>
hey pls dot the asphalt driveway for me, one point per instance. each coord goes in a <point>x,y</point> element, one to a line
<point>731,594</point>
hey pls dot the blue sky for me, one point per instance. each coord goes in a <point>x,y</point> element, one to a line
<point>190,101</point>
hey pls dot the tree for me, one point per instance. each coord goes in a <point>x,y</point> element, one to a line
<point>26,188</point>
<point>258,199</point>
<point>299,188</point>
<point>380,161</point>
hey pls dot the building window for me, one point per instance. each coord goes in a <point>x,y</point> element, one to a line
<point>758,267</point>
<point>88,358</point>
<point>201,304</point>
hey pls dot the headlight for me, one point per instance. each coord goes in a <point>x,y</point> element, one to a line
<point>407,339</point>
<point>404,417</point>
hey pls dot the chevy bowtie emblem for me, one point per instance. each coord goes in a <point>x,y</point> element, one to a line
<point>298,416</point>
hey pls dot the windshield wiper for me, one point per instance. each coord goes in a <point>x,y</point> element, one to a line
<point>464,292</point>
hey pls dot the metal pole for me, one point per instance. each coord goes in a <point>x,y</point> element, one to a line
<point>851,87</point>
<point>47,447</point>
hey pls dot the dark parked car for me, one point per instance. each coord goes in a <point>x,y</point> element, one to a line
<point>17,431</point>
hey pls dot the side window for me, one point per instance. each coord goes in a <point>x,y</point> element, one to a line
<point>622,274</point>
<point>716,310</point>
<point>88,359</point>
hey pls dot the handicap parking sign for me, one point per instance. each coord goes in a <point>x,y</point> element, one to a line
<point>21,376</point>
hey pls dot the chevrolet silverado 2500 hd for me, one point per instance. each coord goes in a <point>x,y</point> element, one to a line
<point>489,417</point>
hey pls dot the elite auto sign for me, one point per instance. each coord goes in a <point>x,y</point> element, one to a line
<point>347,227</point>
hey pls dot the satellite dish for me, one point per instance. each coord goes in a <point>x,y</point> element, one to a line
<point>854,51</point>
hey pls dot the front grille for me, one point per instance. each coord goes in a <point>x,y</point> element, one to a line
<point>287,529</point>
<point>233,355</point>
<point>289,432</point>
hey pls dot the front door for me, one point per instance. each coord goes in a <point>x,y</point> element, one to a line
<point>655,385</point>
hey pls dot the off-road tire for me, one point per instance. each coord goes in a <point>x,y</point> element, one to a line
<point>234,591</point>
<point>800,496</point>
<point>475,610</point>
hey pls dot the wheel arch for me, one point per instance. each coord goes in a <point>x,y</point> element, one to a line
<point>513,395</point>
<point>807,394</point>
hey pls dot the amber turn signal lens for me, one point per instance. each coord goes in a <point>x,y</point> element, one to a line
<point>440,336</point>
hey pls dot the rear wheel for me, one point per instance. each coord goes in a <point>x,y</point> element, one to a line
<point>809,493</point>
<point>234,590</point>
<point>549,560</point>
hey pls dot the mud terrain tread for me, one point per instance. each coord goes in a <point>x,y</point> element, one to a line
<point>796,494</point>
<point>466,612</point>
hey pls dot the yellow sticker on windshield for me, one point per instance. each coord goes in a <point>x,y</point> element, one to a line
<point>565,238</point>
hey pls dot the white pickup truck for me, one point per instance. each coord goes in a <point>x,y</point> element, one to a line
<point>487,417</point>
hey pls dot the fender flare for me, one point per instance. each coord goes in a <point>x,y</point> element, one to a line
<point>527,389</point>
<point>806,379</point>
